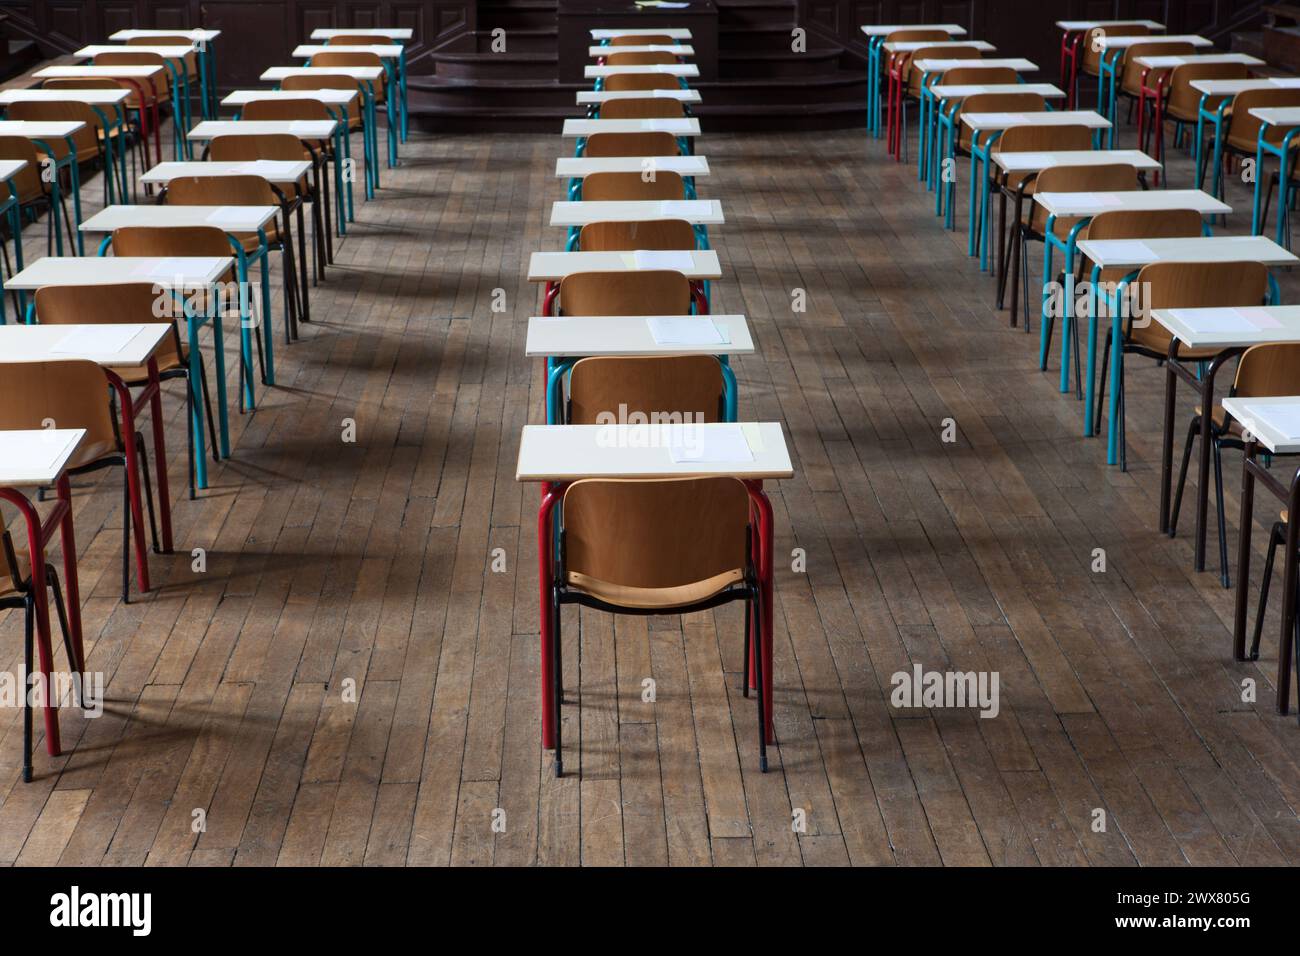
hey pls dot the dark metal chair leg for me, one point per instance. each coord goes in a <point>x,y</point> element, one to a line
<point>1276,538</point>
<point>1193,430</point>
<point>758,680</point>
<point>1218,498</point>
<point>29,633</point>
<point>557,683</point>
<point>744,667</point>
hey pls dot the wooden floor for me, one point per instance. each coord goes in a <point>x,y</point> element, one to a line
<point>350,681</point>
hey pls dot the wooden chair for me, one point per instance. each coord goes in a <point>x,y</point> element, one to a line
<point>1182,103</point>
<point>905,85</point>
<point>649,108</point>
<point>33,198</point>
<point>360,39</point>
<point>131,139</point>
<point>158,92</point>
<point>1262,371</point>
<point>320,152</point>
<point>1091,63</point>
<point>631,187</point>
<point>1025,139</point>
<point>360,58</point>
<point>657,547</point>
<point>652,39</point>
<point>648,292</point>
<point>640,81</point>
<point>1181,285</point>
<point>88,141</point>
<point>1068,179</point>
<point>980,76</point>
<point>250,191</point>
<point>1242,136</point>
<point>73,394</point>
<point>640,59</point>
<point>631,144</point>
<point>286,148</point>
<point>660,234</point>
<point>136,303</point>
<point>676,388</point>
<point>17,592</point>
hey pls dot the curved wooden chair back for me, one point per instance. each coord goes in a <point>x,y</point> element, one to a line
<point>1131,79</point>
<point>191,58</point>
<point>657,234</point>
<point>1092,56</point>
<point>240,190</point>
<point>632,144</point>
<point>162,82</point>
<point>1118,177</point>
<point>980,76</point>
<point>360,39</point>
<point>86,139</point>
<point>1036,139</point>
<point>337,81</point>
<point>655,543</point>
<point>647,292</point>
<point>358,58</point>
<point>1191,285</point>
<point>1139,224</point>
<point>73,393</point>
<point>1184,102</point>
<point>1266,370</point>
<point>1243,129</point>
<point>997,103</point>
<point>153,241</point>
<point>640,59</point>
<point>668,388</point>
<point>912,76</point>
<point>121,303</point>
<point>630,187</point>
<point>621,82</point>
<point>647,40</point>
<point>647,108</point>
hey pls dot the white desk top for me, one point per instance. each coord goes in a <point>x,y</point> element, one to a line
<point>1133,253</point>
<point>553,266</point>
<point>91,71</point>
<point>9,167</point>
<point>395,33</point>
<point>571,452</point>
<point>303,129</point>
<point>1275,422</point>
<point>1106,42</point>
<point>884,30</point>
<point>198,36</point>
<point>698,212</point>
<point>962,91</point>
<point>278,171</point>
<point>60,95</point>
<point>1036,162</point>
<point>680,49</point>
<point>1019,64</point>
<point>993,121</point>
<point>586,97</point>
<point>575,336</point>
<point>330,97</point>
<point>277,73</point>
<point>1277,115</point>
<point>388,51</point>
<point>1074,26</point>
<point>36,129</point>
<point>686,126</point>
<point>55,343</point>
<point>165,271</point>
<point>1096,203</point>
<point>664,69</point>
<point>579,167</point>
<point>226,218</point>
<point>1238,327</point>
<point>167,52</point>
<point>911,46</point>
<point>676,33</point>
<point>1170,62</point>
<point>1233,87</point>
<point>36,456</point>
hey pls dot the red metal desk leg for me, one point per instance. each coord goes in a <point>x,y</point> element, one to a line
<point>160,455</point>
<point>545,553</point>
<point>71,587</point>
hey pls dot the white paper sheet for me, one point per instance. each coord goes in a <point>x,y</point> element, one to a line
<point>1209,321</point>
<point>1284,419</point>
<point>716,444</point>
<point>661,259</point>
<point>1127,251</point>
<point>97,339</point>
<point>684,208</point>
<point>685,330</point>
